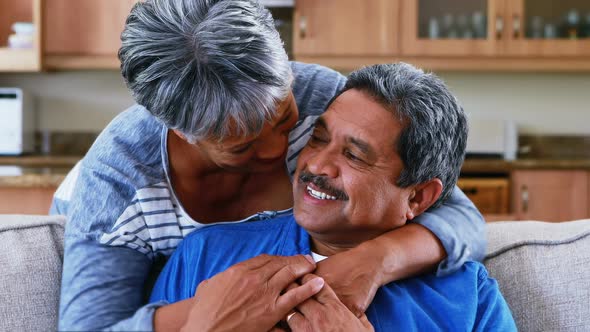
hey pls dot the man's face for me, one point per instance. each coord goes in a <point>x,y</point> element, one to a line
<point>345,185</point>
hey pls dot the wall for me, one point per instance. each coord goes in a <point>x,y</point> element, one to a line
<point>539,103</point>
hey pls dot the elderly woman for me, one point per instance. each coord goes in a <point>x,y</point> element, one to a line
<point>221,118</point>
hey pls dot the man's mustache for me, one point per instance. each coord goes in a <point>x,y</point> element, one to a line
<point>322,183</point>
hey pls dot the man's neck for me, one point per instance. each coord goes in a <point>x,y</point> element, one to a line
<point>326,248</point>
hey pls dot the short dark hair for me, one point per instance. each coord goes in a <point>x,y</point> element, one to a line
<point>433,140</point>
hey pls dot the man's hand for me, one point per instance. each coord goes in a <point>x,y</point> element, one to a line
<point>250,295</point>
<point>325,312</point>
<point>354,275</point>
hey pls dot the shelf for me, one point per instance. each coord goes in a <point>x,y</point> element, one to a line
<point>81,62</point>
<point>472,64</point>
<point>16,60</point>
<point>278,3</point>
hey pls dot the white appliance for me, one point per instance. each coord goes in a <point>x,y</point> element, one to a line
<point>17,122</point>
<point>492,138</point>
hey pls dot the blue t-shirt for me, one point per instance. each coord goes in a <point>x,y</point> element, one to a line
<point>467,300</point>
<point>124,219</point>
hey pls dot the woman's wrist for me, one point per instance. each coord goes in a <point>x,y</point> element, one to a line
<point>403,252</point>
<point>383,256</point>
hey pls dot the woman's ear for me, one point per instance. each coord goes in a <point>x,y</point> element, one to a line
<point>424,196</point>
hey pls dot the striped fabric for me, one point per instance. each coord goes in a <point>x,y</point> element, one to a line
<point>154,222</point>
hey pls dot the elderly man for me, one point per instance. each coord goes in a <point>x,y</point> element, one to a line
<point>389,147</point>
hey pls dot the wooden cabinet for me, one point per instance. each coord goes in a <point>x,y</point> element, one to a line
<point>477,35</point>
<point>83,33</point>
<point>532,23</point>
<point>491,196</point>
<point>20,60</point>
<point>346,28</point>
<point>26,200</point>
<point>452,27</point>
<point>549,195</point>
<point>522,28</point>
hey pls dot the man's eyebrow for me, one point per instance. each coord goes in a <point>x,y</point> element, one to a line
<point>361,145</point>
<point>320,122</point>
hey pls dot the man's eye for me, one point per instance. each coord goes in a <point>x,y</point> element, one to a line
<point>317,139</point>
<point>352,156</point>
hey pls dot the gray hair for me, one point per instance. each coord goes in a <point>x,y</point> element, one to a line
<point>207,68</point>
<point>433,139</point>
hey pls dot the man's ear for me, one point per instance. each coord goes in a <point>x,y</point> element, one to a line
<point>424,195</point>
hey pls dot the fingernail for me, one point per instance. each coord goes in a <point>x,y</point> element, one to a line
<point>317,283</point>
<point>310,259</point>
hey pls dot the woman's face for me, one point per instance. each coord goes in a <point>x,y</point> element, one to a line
<point>256,153</point>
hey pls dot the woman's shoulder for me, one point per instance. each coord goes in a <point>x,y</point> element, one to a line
<point>134,137</point>
<point>314,86</point>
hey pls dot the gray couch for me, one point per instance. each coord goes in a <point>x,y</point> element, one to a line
<point>543,270</point>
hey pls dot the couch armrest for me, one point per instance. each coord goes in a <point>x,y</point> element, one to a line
<point>31,257</point>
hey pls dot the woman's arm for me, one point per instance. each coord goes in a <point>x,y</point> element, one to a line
<point>102,288</point>
<point>441,239</point>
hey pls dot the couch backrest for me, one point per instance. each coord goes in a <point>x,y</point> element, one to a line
<point>543,270</point>
<point>31,256</point>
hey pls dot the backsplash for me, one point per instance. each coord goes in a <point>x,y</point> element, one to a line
<point>540,104</point>
<point>554,147</point>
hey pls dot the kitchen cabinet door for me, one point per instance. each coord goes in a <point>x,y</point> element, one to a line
<point>546,28</point>
<point>346,27</point>
<point>26,200</point>
<point>549,195</point>
<point>452,27</point>
<point>83,28</point>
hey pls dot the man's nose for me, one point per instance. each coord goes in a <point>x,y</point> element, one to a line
<point>323,163</point>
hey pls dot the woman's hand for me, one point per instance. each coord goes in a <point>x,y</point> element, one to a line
<point>325,312</point>
<point>354,275</point>
<point>250,295</point>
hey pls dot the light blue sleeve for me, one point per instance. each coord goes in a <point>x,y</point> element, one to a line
<point>493,313</point>
<point>102,289</point>
<point>102,285</point>
<point>460,228</point>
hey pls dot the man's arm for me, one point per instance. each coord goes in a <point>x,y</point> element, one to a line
<point>493,313</point>
<point>455,230</point>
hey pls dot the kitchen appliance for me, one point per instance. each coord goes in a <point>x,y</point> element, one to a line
<point>17,122</point>
<point>492,138</point>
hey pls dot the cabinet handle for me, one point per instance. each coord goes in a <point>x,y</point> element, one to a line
<point>499,27</point>
<point>525,199</point>
<point>516,26</point>
<point>470,191</point>
<point>303,27</point>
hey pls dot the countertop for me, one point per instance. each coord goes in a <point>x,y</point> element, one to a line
<point>35,171</point>
<point>504,166</point>
<point>50,171</point>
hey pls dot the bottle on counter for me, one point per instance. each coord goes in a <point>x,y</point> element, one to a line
<point>550,31</point>
<point>571,27</point>
<point>463,27</point>
<point>586,27</point>
<point>449,27</point>
<point>433,28</point>
<point>536,28</point>
<point>478,23</point>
